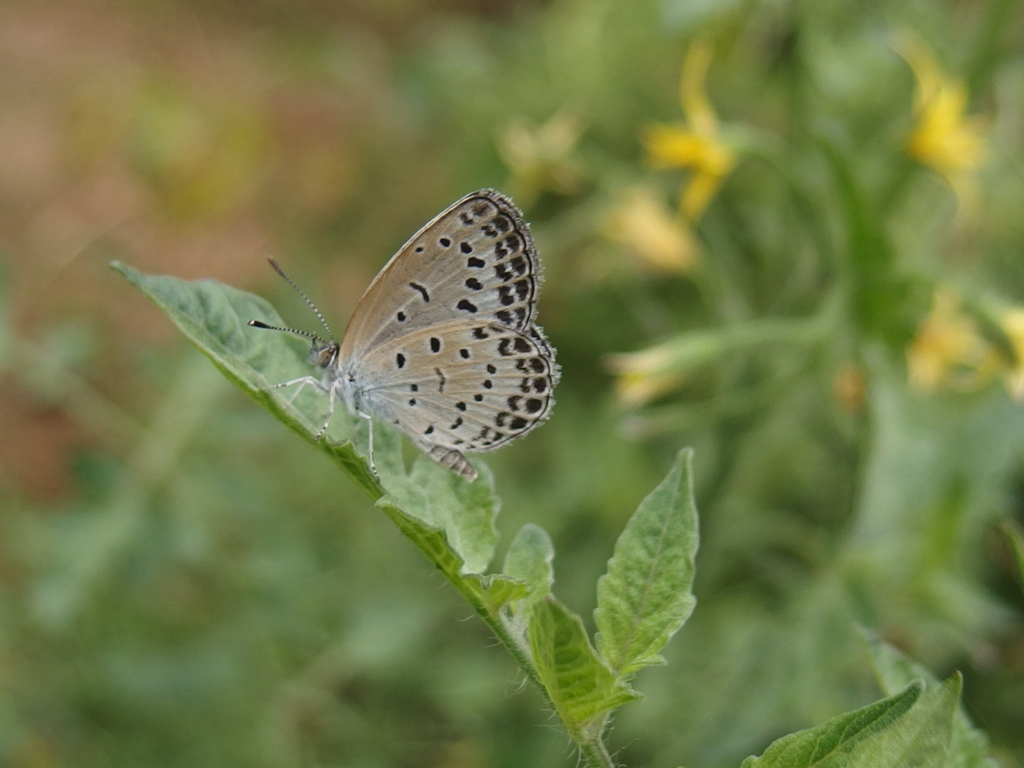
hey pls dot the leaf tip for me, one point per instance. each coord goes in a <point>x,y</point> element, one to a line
<point>124,270</point>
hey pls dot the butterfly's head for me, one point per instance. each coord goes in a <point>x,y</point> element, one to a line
<point>323,354</point>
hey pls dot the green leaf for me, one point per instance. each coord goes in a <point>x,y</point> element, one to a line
<point>969,745</point>
<point>921,737</point>
<point>579,684</point>
<point>894,670</point>
<point>213,317</point>
<point>464,511</point>
<point>450,521</point>
<point>907,730</point>
<point>487,594</point>
<point>529,560</point>
<point>1016,538</point>
<point>645,597</point>
<point>497,591</point>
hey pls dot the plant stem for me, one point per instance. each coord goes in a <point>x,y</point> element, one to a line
<point>592,745</point>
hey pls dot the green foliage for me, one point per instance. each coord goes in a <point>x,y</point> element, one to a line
<point>836,326</point>
<point>583,689</point>
<point>213,317</point>
<point>910,728</point>
<point>529,560</point>
<point>968,747</point>
<point>642,601</point>
<point>1016,538</point>
<point>646,595</point>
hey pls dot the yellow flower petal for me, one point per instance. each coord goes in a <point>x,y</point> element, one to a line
<point>697,195</point>
<point>694,145</point>
<point>670,146</point>
<point>644,376</point>
<point>924,65</point>
<point>1012,324</point>
<point>948,352</point>
<point>543,157</point>
<point>943,137</point>
<point>646,226</point>
<point>692,97</point>
<point>634,390</point>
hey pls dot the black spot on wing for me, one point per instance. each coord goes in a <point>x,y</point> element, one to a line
<point>422,291</point>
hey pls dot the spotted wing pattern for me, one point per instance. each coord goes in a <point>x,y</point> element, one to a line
<point>443,344</point>
<point>475,261</point>
<point>463,386</point>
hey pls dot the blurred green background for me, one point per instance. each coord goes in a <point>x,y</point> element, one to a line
<point>815,252</point>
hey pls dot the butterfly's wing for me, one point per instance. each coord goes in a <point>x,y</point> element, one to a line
<point>461,386</point>
<point>443,344</point>
<point>475,261</point>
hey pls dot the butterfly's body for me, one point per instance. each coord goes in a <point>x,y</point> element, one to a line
<point>443,345</point>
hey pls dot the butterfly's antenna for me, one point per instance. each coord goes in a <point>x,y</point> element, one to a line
<point>309,302</point>
<point>305,334</point>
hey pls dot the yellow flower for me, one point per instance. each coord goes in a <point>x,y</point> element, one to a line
<point>1012,323</point>
<point>694,145</point>
<point>541,157</point>
<point>645,225</point>
<point>943,138</point>
<point>948,351</point>
<point>646,375</point>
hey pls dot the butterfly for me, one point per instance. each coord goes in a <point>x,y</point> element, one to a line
<point>443,344</point>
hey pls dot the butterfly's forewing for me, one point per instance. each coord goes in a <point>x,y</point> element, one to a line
<point>475,261</point>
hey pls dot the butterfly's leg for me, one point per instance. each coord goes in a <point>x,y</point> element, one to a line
<point>302,382</point>
<point>332,394</point>
<point>369,427</point>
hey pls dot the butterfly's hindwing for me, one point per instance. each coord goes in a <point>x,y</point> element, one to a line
<point>462,386</point>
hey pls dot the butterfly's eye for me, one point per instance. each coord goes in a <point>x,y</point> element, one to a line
<point>323,356</point>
